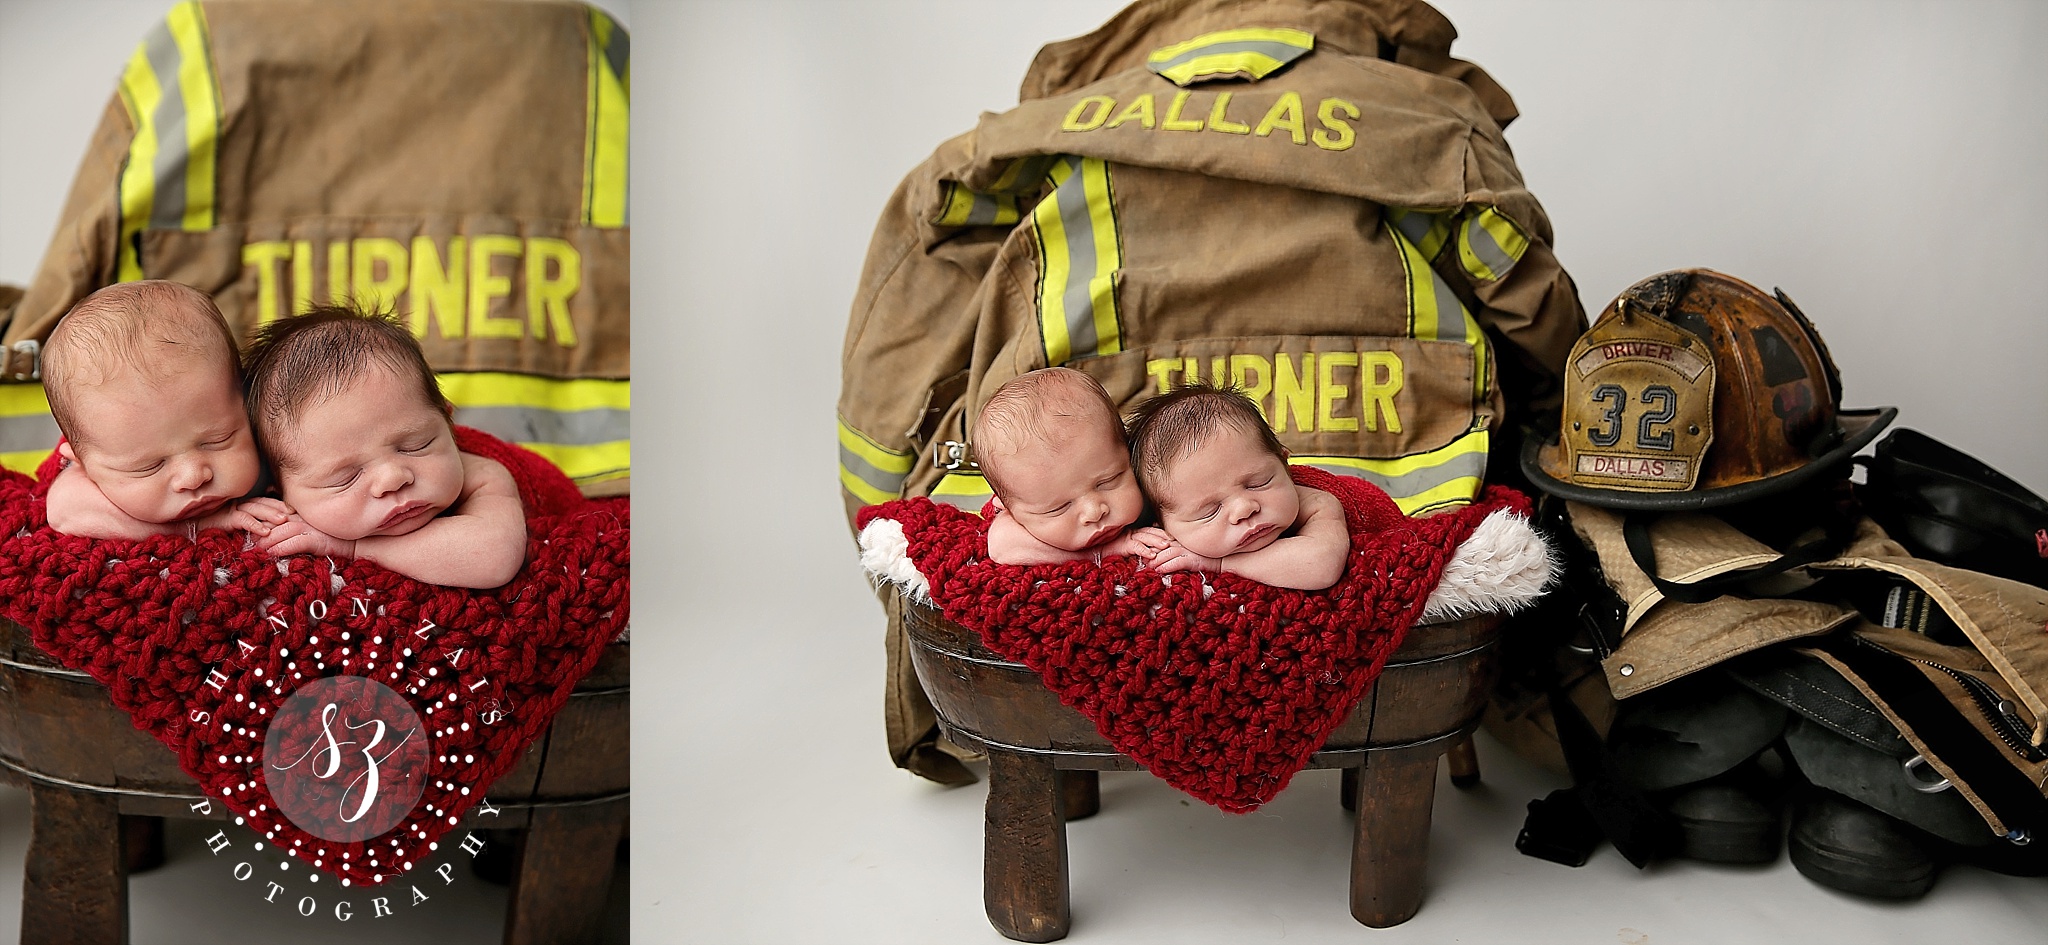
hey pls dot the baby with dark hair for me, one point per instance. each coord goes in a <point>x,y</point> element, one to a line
<point>1218,477</point>
<point>1052,448</point>
<point>355,427</point>
<point>143,380</point>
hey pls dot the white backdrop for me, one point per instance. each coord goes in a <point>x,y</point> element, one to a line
<point>1881,161</point>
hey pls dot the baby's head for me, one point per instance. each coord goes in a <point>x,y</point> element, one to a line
<point>1051,446</point>
<point>353,422</point>
<point>144,382</point>
<point>1214,469</point>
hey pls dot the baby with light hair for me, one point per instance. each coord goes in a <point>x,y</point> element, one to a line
<point>1052,448</point>
<point>1219,478</point>
<point>145,383</point>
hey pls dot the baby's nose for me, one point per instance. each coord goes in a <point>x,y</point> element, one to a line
<point>390,478</point>
<point>192,476</point>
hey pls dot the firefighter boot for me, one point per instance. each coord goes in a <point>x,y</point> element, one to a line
<point>1844,845</point>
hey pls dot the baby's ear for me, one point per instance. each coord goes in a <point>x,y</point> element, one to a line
<point>64,450</point>
<point>997,502</point>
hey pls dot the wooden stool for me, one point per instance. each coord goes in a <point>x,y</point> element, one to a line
<point>85,765</point>
<point>1043,758</point>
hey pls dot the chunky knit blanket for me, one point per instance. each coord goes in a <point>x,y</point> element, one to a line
<point>203,642</point>
<point>1221,686</point>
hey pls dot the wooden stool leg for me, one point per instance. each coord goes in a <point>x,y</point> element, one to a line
<point>75,885</point>
<point>1080,794</point>
<point>1464,762</point>
<point>142,842</point>
<point>1347,793</point>
<point>1024,864</point>
<point>565,874</point>
<point>1391,850</point>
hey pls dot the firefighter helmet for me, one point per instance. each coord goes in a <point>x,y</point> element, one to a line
<point>1696,390</point>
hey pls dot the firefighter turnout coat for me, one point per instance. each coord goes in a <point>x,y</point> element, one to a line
<point>1311,201</point>
<point>460,162</point>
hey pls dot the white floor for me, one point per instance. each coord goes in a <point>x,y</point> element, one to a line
<point>796,829</point>
<point>193,898</point>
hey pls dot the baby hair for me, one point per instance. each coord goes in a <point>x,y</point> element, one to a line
<point>1038,407</point>
<point>156,328</point>
<point>296,362</point>
<point>1176,423</point>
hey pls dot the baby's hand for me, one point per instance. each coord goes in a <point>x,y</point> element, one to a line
<point>255,516</point>
<point>295,537</point>
<point>1146,543</point>
<point>1178,558</point>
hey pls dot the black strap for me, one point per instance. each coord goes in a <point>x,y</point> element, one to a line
<point>1929,713</point>
<point>1637,828</point>
<point>1635,529</point>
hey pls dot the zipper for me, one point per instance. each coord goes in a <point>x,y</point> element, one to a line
<point>1990,705</point>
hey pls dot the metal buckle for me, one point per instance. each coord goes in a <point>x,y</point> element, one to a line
<point>1911,765</point>
<point>30,349</point>
<point>953,454</point>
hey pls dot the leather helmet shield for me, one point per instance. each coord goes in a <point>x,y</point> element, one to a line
<point>1639,406</point>
<point>1775,403</point>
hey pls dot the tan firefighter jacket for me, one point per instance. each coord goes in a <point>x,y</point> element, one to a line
<point>462,162</point>
<point>1998,681</point>
<point>1311,201</point>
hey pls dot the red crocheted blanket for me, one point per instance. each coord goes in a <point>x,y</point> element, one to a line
<point>204,643</point>
<point>1221,686</point>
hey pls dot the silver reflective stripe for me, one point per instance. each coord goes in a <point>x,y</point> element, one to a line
<point>1079,229</point>
<point>1450,313</point>
<point>984,211</point>
<point>535,425</point>
<point>1278,51</point>
<point>617,50</point>
<point>971,503</point>
<point>25,433</point>
<point>1487,248</point>
<point>869,473</point>
<point>172,147</point>
<point>1464,465</point>
<point>1415,225</point>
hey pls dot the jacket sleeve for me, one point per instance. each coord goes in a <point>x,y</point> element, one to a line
<point>81,255</point>
<point>911,332</point>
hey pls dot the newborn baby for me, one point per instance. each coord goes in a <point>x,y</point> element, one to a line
<point>1219,478</point>
<point>1052,448</point>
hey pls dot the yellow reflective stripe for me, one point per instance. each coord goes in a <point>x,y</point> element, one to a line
<point>27,431</point>
<point>1489,244</point>
<point>963,490</point>
<point>582,425</point>
<point>489,387</point>
<point>1435,312</point>
<point>140,94</point>
<point>1429,230</point>
<point>1451,475</point>
<point>605,144</point>
<point>202,113</point>
<point>1256,52</point>
<point>1075,227</point>
<point>965,207</point>
<point>585,465</point>
<point>872,472</point>
<point>25,462</point>
<point>173,102</point>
